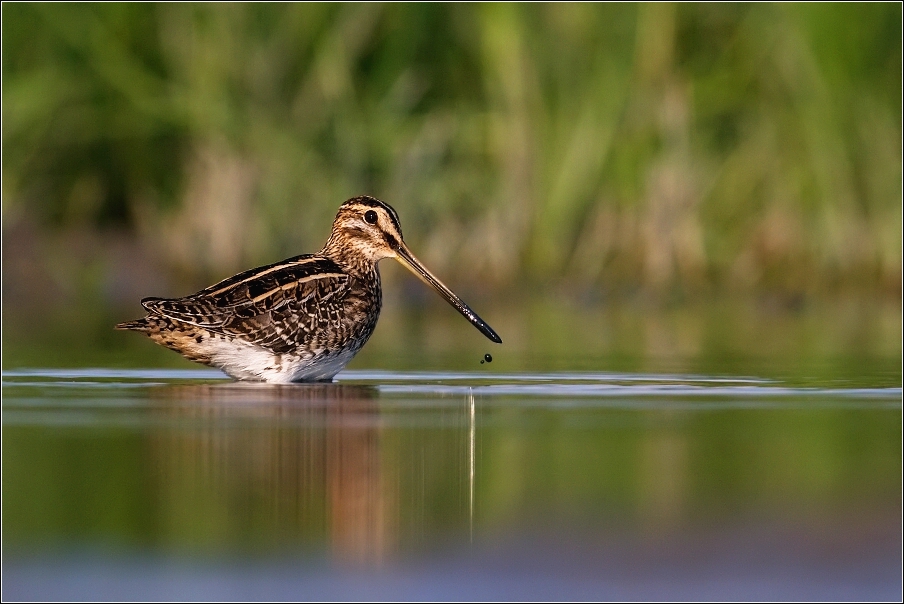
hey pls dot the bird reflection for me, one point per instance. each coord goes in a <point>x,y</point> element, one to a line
<point>281,467</point>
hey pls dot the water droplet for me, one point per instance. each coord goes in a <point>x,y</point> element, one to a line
<point>481,361</point>
<point>488,358</point>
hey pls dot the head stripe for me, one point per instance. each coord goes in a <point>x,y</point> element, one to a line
<point>373,202</point>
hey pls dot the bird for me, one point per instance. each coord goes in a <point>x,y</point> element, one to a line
<point>301,319</point>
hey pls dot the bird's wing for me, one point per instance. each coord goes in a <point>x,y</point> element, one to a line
<point>275,306</point>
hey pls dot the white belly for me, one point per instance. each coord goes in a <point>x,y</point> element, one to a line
<point>245,361</point>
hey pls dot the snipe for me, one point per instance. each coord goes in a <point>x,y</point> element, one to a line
<point>302,319</point>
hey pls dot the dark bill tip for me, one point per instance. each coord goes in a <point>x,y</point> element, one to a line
<point>487,331</point>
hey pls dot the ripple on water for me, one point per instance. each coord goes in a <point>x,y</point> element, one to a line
<point>533,389</point>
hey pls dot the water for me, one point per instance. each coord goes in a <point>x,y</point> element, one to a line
<point>180,484</point>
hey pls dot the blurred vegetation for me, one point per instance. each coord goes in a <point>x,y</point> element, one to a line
<point>656,148</point>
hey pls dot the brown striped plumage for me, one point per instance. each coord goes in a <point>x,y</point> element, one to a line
<point>301,319</point>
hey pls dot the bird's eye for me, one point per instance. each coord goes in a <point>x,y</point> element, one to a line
<point>370,217</point>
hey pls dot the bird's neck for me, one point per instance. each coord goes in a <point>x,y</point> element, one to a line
<point>349,256</point>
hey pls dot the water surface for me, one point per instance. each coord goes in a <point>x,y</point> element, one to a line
<point>172,484</point>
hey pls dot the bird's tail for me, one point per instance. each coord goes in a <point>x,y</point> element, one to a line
<point>137,325</point>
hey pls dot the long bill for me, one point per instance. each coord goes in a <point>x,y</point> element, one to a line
<point>404,255</point>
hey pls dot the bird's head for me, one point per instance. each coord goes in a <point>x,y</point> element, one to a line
<point>366,230</point>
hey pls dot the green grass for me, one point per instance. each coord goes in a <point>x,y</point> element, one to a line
<point>673,149</point>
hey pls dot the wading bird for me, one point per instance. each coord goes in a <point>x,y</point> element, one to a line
<point>299,320</point>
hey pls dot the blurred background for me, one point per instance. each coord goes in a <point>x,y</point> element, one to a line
<point>608,181</point>
<point>669,201</point>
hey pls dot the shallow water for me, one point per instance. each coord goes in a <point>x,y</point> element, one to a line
<point>174,484</point>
